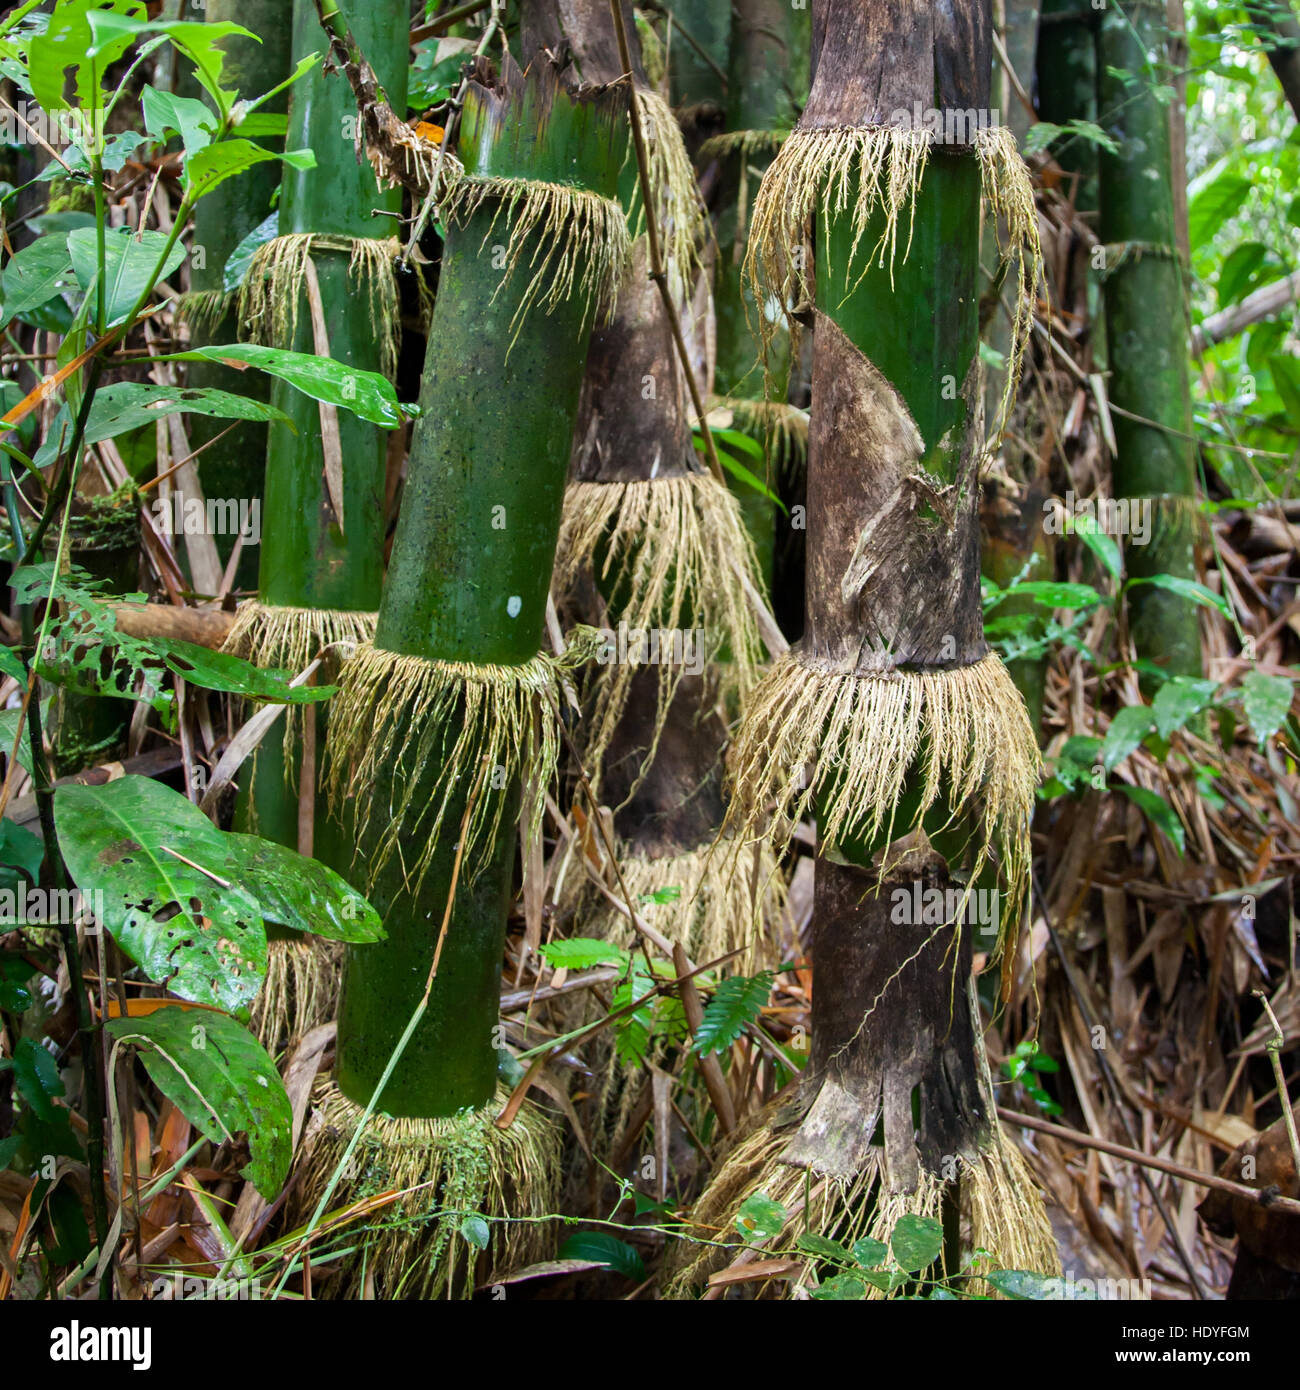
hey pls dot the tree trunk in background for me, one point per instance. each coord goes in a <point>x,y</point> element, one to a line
<point>1147,328</point>
<point>1280,35</point>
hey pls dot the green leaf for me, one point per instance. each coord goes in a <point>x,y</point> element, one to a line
<point>366,394</point>
<point>14,994</point>
<point>35,275</point>
<point>475,1231</point>
<point>241,257</point>
<point>221,671</point>
<point>760,1218</point>
<point>1178,700</point>
<point>812,1244</point>
<point>1159,811</point>
<point>870,1253</point>
<point>209,168</point>
<point>20,849</point>
<point>1127,730</point>
<point>916,1242</point>
<point>130,263</point>
<point>79,36</point>
<point>605,1250</point>
<point>738,470</point>
<point>1101,545</point>
<point>1266,701</point>
<point>843,1288</point>
<point>193,120</point>
<point>1214,197</point>
<point>301,893</point>
<point>129,405</point>
<point>196,932</point>
<point>581,953</point>
<point>736,1002</point>
<point>1055,595</point>
<point>1186,588</point>
<point>36,1075</point>
<point>220,1078</point>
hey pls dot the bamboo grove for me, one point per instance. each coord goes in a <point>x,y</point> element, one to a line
<point>612,768</point>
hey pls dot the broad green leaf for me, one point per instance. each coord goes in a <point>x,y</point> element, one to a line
<point>1158,810</point>
<point>131,261</point>
<point>1023,1284</point>
<point>301,893</point>
<point>1242,272</point>
<point>1127,730</point>
<point>1186,588</point>
<point>1178,700</point>
<point>220,1078</point>
<point>604,1249</point>
<point>916,1242</point>
<point>870,1253</point>
<point>1214,197</point>
<point>129,405</point>
<point>474,1230</point>
<point>736,1002</point>
<point>14,976</point>
<point>161,867</point>
<point>221,671</point>
<point>812,1244</point>
<point>21,849</point>
<point>581,953</point>
<point>79,36</point>
<point>366,394</point>
<point>36,1075</point>
<point>842,1288</point>
<point>1266,701</point>
<point>207,168</point>
<point>193,120</point>
<point>241,257</point>
<point>1055,595</point>
<point>760,1217</point>
<point>37,274</point>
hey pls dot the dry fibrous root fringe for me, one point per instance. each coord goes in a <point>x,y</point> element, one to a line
<point>682,219</point>
<point>782,429</point>
<point>281,638</point>
<point>1001,1210</point>
<point>299,993</point>
<point>676,553</point>
<point>272,293</point>
<point>203,310</point>
<point>580,242</point>
<point>744,142</point>
<point>872,173</point>
<point>719,906</point>
<point>850,744</point>
<point>450,1169</point>
<point>400,715</point>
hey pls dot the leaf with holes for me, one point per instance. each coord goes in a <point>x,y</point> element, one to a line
<point>186,924</point>
<point>301,893</point>
<point>220,1078</point>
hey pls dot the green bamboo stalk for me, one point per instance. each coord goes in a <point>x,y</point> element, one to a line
<point>317,556</point>
<point>923,763</point>
<point>467,585</point>
<point>236,466</point>
<point>1147,329</point>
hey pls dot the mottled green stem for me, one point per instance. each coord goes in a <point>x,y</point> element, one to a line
<point>1147,328</point>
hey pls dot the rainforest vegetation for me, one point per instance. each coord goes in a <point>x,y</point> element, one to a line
<point>648,651</point>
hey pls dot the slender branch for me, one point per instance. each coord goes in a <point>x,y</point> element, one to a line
<point>1260,1197</point>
